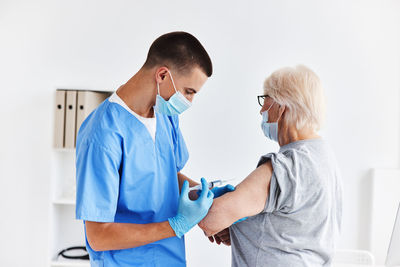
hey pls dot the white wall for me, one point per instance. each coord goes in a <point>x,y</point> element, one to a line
<point>354,46</point>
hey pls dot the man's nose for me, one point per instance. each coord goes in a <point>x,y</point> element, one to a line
<point>190,98</point>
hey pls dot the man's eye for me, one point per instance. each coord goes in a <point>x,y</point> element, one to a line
<point>189,92</point>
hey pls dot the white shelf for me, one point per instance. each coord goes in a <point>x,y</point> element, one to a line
<point>70,263</point>
<point>59,149</point>
<point>64,201</point>
<point>64,231</point>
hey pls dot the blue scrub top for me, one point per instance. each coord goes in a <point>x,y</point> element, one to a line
<point>124,176</point>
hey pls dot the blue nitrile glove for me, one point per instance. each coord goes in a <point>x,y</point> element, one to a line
<point>219,191</point>
<point>243,219</point>
<point>191,212</point>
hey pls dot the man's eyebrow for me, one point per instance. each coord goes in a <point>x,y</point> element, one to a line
<point>191,89</point>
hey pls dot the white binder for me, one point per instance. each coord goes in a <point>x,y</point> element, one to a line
<point>59,119</point>
<point>87,102</point>
<point>70,119</point>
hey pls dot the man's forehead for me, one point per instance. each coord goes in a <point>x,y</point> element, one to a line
<point>195,78</point>
<point>197,72</point>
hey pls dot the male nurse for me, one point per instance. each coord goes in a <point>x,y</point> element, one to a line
<point>129,155</point>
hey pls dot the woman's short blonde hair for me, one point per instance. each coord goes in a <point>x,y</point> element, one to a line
<point>300,90</point>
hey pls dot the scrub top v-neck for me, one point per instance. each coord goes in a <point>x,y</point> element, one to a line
<point>150,123</point>
<point>124,176</point>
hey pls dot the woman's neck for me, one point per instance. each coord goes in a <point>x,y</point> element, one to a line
<point>287,135</point>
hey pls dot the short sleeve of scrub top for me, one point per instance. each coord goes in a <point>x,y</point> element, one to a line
<point>98,196</point>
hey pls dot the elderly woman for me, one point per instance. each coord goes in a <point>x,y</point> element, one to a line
<point>293,198</point>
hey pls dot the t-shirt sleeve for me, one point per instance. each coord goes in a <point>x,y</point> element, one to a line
<point>97,180</point>
<point>180,149</point>
<point>283,193</point>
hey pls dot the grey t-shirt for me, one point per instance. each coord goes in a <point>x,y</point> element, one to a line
<point>302,215</point>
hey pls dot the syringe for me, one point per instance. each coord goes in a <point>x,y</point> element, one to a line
<point>210,184</point>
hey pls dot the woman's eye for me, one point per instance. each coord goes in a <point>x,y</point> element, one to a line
<point>189,92</point>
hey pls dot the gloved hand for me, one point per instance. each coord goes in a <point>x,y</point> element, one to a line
<point>219,191</point>
<point>191,212</point>
<point>240,220</point>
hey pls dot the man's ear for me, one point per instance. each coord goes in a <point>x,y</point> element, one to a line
<point>160,74</point>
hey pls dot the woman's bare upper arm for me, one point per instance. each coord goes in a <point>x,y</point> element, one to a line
<point>251,194</point>
<point>248,199</point>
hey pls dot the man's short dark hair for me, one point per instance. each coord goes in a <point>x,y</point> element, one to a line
<point>179,50</point>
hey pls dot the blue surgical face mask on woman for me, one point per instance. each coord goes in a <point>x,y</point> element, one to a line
<point>270,129</point>
<point>176,104</point>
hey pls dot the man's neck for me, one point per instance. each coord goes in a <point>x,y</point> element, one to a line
<point>139,93</point>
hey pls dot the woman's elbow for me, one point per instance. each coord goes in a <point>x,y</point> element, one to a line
<point>217,218</point>
<point>208,231</point>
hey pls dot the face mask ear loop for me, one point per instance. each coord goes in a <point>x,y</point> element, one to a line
<point>158,88</point>
<point>270,106</point>
<point>170,75</point>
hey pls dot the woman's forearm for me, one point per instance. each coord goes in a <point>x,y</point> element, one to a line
<point>220,215</point>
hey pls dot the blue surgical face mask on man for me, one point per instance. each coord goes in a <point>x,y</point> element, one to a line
<point>270,129</point>
<point>176,104</point>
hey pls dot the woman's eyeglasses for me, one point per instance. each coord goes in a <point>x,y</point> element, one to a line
<point>261,99</point>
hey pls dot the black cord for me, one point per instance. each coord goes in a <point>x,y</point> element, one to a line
<point>81,257</point>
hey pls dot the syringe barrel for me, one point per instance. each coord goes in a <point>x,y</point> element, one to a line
<point>215,183</point>
<point>199,187</point>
